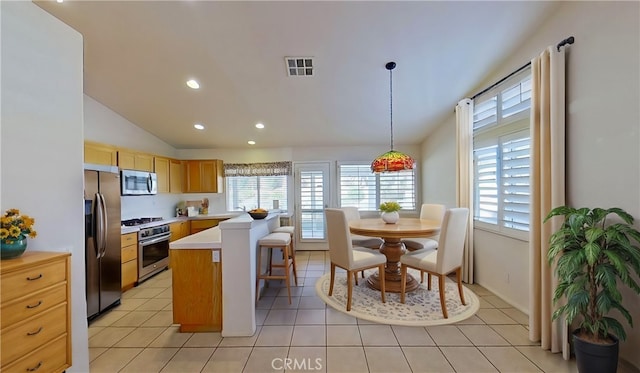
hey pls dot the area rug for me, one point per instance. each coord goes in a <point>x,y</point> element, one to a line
<point>421,307</point>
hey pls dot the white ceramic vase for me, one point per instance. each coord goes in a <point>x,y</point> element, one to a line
<point>390,217</point>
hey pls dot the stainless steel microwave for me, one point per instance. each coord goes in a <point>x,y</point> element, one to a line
<point>137,183</point>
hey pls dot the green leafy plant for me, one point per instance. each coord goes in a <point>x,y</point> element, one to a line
<point>591,256</point>
<point>390,206</point>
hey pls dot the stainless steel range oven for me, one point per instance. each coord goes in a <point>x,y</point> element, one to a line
<point>153,251</point>
<point>153,245</point>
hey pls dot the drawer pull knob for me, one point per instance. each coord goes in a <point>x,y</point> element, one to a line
<point>34,278</point>
<point>35,368</point>
<point>34,306</point>
<point>36,332</point>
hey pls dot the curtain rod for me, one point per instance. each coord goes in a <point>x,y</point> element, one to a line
<point>569,40</point>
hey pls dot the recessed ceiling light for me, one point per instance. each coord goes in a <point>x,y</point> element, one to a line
<point>198,126</point>
<point>259,125</point>
<point>193,84</point>
<point>59,1</point>
<point>251,142</point>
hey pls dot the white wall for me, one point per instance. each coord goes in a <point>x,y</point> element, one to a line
<point>437,160</point>
<point>41,142</point>
<point>603,118</point>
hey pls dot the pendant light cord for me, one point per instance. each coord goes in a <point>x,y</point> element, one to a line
<point>391,103</point>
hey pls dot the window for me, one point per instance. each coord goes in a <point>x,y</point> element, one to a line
<point>366,190</point>
<point>248,192</point>
<point>501,155</point>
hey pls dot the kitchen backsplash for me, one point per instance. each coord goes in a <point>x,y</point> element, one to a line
<point>164,204</point>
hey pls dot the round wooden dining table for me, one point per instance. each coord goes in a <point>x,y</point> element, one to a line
<point>392,246</point>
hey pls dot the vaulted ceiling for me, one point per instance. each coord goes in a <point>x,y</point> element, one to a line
<point>139,54</point>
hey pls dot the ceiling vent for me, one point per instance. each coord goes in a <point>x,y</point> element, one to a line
<point>299,66</point>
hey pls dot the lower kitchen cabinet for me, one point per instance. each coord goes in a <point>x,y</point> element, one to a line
<point>129,260</point>
<point>202,224</point>
<point>179,230</point>
<point>35,314</point>
<point>197,289</point>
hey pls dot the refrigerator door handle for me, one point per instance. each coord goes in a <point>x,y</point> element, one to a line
<point>98,226</point>
<point>105,224</point>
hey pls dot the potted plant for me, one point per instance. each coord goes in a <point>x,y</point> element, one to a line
<point>593,256</point>
<point>390,213</point>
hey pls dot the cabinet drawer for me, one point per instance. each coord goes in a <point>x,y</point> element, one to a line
<point>129,253</point>
<point>33,279</point>
<point>128,239</point>
<point>33,304</point>
<point>33,333</point>
<point>51,357</point>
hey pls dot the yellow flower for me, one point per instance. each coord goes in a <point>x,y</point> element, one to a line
<point>14,225</point>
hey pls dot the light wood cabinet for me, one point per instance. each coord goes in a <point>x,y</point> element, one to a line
<point>176,176</point>
<point>179,230</point>
<point>35,312</point>
<point>197,290</point>
<point>96,153</point>
<point>128,160</point>
<point>129,259</point>
<point>205,176</point>
<point>202,224</point>
<point>163,173</point>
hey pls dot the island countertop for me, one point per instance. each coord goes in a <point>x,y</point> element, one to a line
<point>206,240</point>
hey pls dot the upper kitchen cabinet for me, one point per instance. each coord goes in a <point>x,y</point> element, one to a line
<point>204,176</point>
<point>176,176</point>
<point>163,173</point>
<point>96,153</point>
<point>135,161</point>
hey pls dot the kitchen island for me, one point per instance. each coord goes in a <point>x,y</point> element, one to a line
<point>214,276</point>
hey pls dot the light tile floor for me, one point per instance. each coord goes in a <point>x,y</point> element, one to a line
<point>138,336</point>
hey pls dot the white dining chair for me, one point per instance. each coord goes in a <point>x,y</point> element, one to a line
<point>352,214</point>
<point>441,262</point>
<point>430,211</point>
<point>343,254</point>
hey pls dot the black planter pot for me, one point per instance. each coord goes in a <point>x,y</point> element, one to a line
<point>596,358</point>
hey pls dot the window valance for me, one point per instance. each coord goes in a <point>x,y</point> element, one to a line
<point>258,169</point>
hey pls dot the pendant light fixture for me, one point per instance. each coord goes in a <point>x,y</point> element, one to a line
<point>392,160</point>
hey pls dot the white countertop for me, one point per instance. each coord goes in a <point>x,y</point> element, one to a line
<point>206,240</point>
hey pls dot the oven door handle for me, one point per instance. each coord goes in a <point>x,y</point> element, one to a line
<point>156,240</point>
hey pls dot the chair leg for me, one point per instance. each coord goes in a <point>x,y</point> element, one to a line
<point>333,277</point>
<point>349,290</point>
<point>293,260</point>
<point>355,277</point>
<point>258,275</point>
<point>459,276</point>
<point>422,277</point>
<point>382,287</point>
<point>403,280</point>
<point>429,281</point>
<point>287,269</point>
<point>443,303</point>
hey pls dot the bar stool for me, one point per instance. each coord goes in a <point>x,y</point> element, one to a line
<point>277,240</point>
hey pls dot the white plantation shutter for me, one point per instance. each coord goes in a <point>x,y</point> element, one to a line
<point>501,157</point>
<point>366,190</point>
<point>312,204</point>
<point>515,182</point>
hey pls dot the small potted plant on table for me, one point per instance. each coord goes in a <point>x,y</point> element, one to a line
<point>390,213</point>
<point>593,258</point>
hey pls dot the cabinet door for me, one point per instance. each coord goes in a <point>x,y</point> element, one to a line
<point>162,170</point>
<point>193,177</point>
<point>129,274</point>
<point>175,176</point>
<point>126,160</point>
<point>143,162</point>
<point>100,154</point>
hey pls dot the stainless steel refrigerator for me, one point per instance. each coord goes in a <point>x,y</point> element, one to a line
<point>102,238</point>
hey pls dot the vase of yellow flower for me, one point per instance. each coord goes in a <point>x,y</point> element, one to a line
<point>14,229</point>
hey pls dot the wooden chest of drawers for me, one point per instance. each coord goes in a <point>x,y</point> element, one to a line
<point>35,314</point>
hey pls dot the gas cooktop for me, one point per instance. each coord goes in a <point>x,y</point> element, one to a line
<point>139,221</point>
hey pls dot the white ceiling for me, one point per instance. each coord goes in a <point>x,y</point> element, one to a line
<point>138,56</point>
